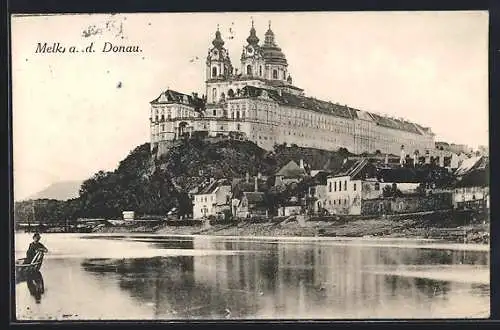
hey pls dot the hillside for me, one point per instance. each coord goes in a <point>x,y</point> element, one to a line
<point>153,185</point>
<point>62,191</point>
<point>194,161</point>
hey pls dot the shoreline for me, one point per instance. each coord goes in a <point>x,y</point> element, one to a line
<point>410,228</point>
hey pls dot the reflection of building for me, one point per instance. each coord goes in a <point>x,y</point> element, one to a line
<point>260,102</point>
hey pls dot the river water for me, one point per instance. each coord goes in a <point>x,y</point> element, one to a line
<point>145,277</point>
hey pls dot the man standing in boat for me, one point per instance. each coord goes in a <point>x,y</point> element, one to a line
<point>34,247</point>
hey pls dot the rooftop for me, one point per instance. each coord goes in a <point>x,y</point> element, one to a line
<point>299,101</point>
<point>291,170</point>
<point>470,164</point>
<point>171,96</point>
<point>212,187</point>
<point>338,110</point>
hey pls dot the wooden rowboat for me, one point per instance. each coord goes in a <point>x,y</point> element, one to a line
<point>26,269</point>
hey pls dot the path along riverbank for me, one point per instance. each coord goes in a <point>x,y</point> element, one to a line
<point>414,226</point>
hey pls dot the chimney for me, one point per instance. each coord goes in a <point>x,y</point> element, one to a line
<point>247,177</point>
<point>259,176</point>
<point>256,186</point>
<point>301,163</point>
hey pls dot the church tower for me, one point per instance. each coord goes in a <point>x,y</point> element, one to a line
<point>275,61</point>
<point>252,59</point>
<point>218,67</point>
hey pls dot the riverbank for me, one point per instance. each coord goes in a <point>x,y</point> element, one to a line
<point>409,227</point>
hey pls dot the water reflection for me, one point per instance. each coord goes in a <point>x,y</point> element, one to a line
<point>36,287</point>
<point>295,281</point>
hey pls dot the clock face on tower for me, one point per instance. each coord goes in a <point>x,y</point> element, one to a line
<point>215,53</point>
<point>250,50</point>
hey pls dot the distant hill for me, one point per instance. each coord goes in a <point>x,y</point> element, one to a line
<point>62,191</point>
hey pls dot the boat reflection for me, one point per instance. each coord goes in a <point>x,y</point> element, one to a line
<point>36,286</point>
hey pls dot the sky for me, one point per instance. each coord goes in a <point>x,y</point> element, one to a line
<point>77,113</point>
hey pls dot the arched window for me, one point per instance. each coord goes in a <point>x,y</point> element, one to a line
<point>214,94</point>
<point>284,77</point>
<point>275,74</point>
<point>237,115</point>
<point>249,70</point>
<point>239,127</point>
<point>230,93</point>
<point>214,71</point>
<point>260,71</point>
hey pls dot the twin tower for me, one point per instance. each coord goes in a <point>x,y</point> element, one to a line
<point>264,62</point>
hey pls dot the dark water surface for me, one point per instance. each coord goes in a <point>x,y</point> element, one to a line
<point>94,276</point>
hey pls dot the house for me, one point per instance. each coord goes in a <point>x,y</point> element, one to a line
<point>292,207</point>
<point>290,173</point>
<point>469,164</point>
<point>318,192</point>
<point>344,187</point>
<point>252,204</point>
<point>472,189</point>
<point>212,199</point>
<point>360,179</point>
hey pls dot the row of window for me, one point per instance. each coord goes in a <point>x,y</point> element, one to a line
<point>338,202</point>
<point>339,186</point>
<point>249,71</point>
<point>171,111</point>
<point>202,199</point>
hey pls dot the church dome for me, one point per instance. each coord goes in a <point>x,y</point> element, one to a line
<point>271,52</point>
<point>252,38</point>
<point>218,42</point>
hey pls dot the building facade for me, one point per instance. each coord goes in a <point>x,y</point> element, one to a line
<point>212,200</point>
<point>259,102</point>
<point>348,190</point>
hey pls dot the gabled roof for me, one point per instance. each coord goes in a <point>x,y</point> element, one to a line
<point>351,167</point>
<point>171,96</point>
<point>471,164</point>
<point>291,170</point>
<point>212,187</point>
